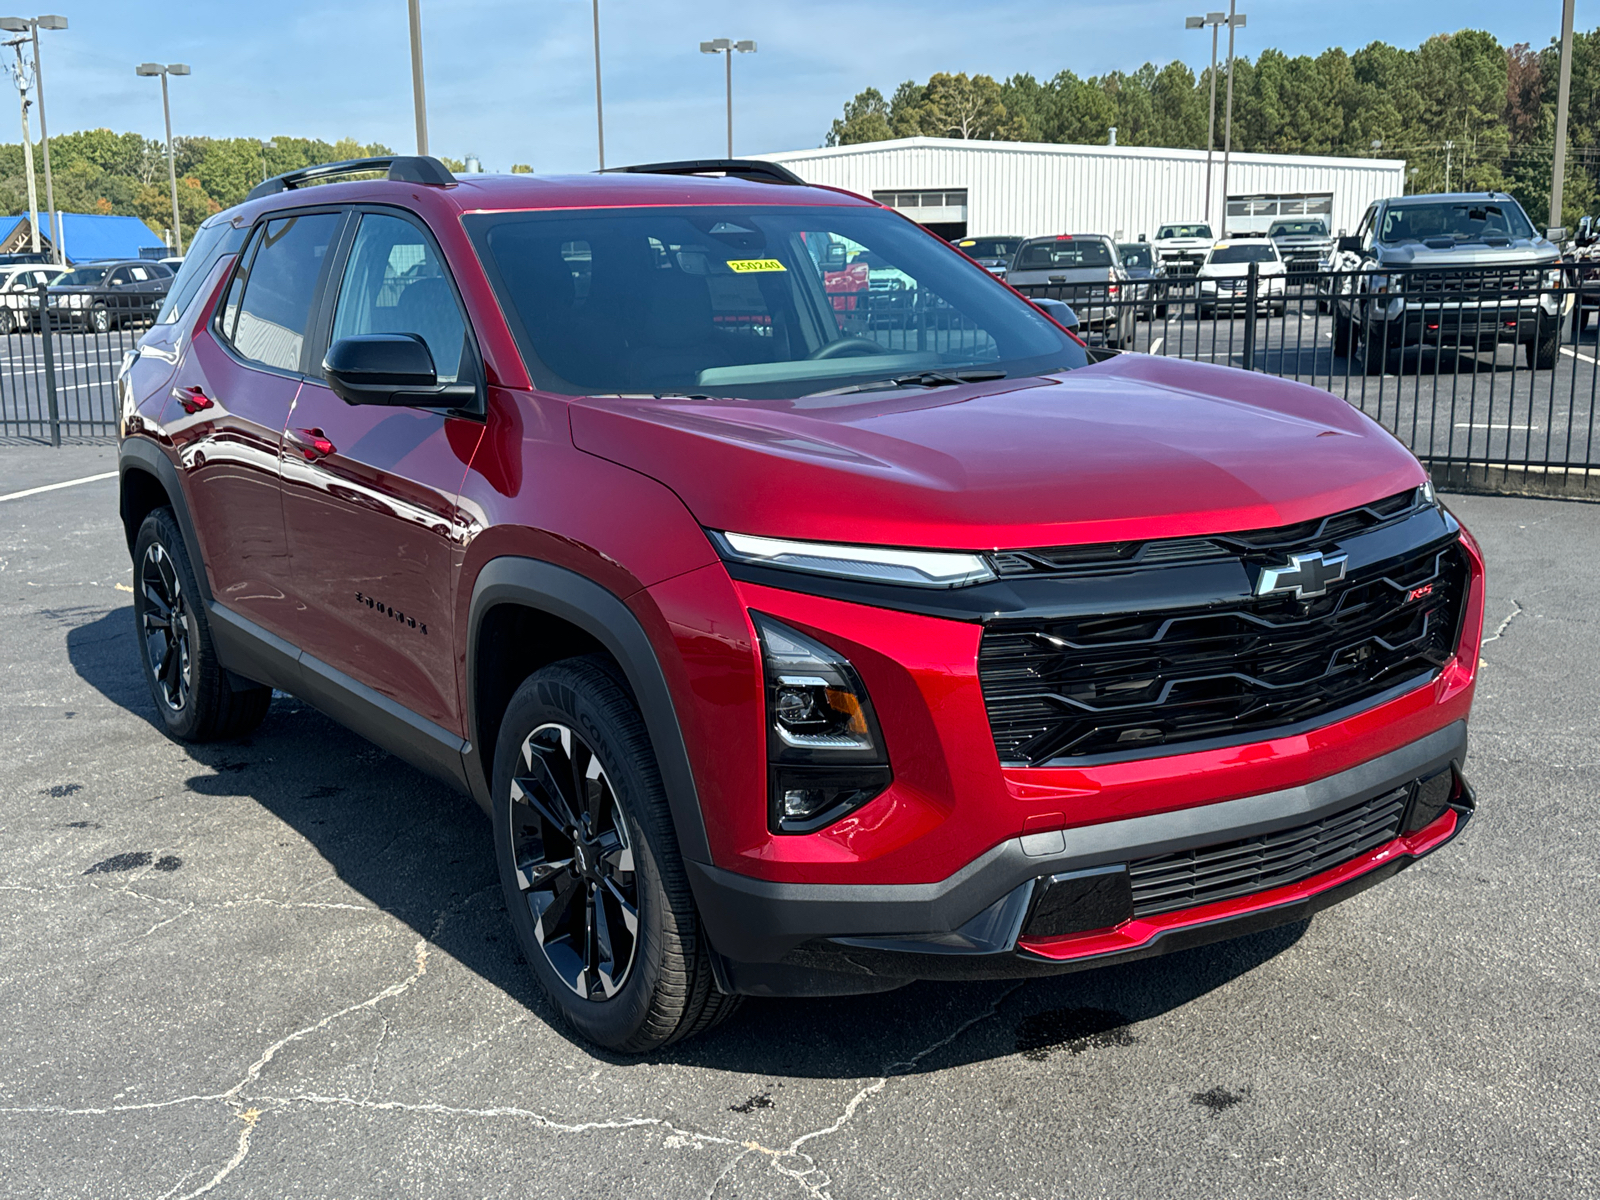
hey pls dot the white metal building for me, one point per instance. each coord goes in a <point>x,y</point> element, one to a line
<point>961,188</point>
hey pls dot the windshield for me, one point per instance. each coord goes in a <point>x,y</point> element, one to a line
<point>989,247</point>
<point>82,277</point>
<point>1184,231</point>
<point>1243,252</point>
<point>1298,229</point>
<point>762,302</point>
<point>1137,254</point>
<point>1064,254</point>
<point>1455,221</point>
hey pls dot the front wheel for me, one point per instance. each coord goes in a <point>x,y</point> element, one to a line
<point>8,322</point>
<point>1542,351</point>
<point>196,700</point>
<point>589,864</point>
<point>99,319</point>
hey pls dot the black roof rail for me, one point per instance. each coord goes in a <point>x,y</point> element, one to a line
<point>409,168</point>
<point>747,168</point>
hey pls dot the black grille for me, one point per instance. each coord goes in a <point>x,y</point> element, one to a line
<point>1130,681</point>
<point>1255,864</point>
<point>1476,286</point>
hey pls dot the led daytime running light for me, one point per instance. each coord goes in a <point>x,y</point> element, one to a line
<point>876,564</point>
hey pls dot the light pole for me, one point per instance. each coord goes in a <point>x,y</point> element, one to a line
<point>1215,20</point>
<point>32,25</point>
<point>20,75</point>
<point>726,47</point>
<point>1449,148</point>
<point>418,99</point>
<point>1558,168</point>
<point>1235,21</point>
<point>599,109</point>
<point>172,162</point>
<point>266,144</point>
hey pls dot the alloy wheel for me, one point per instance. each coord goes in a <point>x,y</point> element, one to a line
<point>164,622</point>
<point>574,862</point>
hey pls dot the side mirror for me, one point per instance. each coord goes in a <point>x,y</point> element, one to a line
<point>1058,311</point>
<point>1349,244</point>
<point>1557,234</point>
<point>390,368</point>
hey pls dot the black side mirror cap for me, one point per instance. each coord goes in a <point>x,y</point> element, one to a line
<point>1058,311</point>
<point>390,368</point>
<point>1350,244</point>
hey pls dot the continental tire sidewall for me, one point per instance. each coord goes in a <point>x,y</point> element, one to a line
<point>575,693</point>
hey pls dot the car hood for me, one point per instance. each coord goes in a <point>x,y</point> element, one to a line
<point>1182,244</point>
<point>1516,253</point>
<point>1134,447</point>
<point>1238,270</point>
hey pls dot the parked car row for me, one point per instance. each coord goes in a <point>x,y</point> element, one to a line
<point>97,296</point>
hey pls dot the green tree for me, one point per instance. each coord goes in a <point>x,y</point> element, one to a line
<point>866,119</point>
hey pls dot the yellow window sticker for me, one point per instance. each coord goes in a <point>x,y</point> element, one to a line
<point>742,266</point>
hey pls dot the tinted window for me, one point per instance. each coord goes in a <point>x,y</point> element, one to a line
<point>1244,252</point>
<point>1065,255</point>
<point>210,243</point>
<point>989,247</point>
<point>83,277</point>
<point>1298,229</point>
<point>1136,254</point>
<point>760,301</point>
<point>395,283</point>
<point>1184,231</point>
<point>1469,221</point>
<point>278,286</point>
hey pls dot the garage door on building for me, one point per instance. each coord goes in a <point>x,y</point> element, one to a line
<point>942,210</point>
<point>1255,214</point>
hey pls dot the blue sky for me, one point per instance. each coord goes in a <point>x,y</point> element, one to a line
<point>512,80</point>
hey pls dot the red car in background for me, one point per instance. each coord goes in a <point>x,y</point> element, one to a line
<point>789,653</point>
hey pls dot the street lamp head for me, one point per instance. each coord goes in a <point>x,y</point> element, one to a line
<point>716,46</point>
<point>1194,22</point>
<point>13,25</point>
<point>148,69</point>
<point>177,68</point>
<point>745,47</point>
<point>1237,21</point>
<point>1217,18</point>
<point>52,22</point>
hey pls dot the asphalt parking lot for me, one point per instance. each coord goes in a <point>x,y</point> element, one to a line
<point>281,968</point>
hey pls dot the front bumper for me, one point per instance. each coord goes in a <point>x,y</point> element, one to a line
<point>779,939</point>
<point>1420,323</point>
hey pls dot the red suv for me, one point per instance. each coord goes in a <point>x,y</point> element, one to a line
<point>796,643</point>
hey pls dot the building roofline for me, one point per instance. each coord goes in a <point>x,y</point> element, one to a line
<point>1062,148</point>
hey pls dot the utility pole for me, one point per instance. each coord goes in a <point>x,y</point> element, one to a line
<point>599,108</point>
<point>1235,20</point>
<point>21,75</point>
<point>419,100</point>
<point>1449,149</point>
<point>31,26</point>
<point>1558,172</point>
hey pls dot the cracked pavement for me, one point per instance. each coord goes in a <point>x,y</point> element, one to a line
<point>281,967</point>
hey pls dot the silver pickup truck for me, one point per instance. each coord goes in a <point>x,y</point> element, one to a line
<point>1461,270</point>
<point>1085,270</point>
<point>1303,243</point>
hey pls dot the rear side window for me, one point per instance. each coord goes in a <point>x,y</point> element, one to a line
<point>1064,255</point>
<point>210,243</point>
<point>267,324</point>
<point>395,283</point>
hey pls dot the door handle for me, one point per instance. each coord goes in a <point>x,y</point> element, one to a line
<point>192,398</point>
<point>312,443</point>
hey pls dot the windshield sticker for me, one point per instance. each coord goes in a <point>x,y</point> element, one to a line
<point>742,266</point>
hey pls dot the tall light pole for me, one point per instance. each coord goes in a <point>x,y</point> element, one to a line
<point>1449,148</point>
<point>1558,169</point>
<point>726,47</point>
<point>172,162</point>
<point>1235,21</point>
<point>32,25</point>
<point>20,75</point>
<point>1215,20</point>
<point>418,99</point>
<point>599,109</point>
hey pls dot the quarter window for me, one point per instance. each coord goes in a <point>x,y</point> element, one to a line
<point>395,283</point>
<point>267,322</point>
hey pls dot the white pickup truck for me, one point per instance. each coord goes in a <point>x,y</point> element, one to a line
<point>1182,248</point>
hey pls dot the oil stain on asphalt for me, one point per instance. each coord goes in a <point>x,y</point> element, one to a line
<point>1218,1099</point>
<point>130,861</point>
<point>1071,1029</point>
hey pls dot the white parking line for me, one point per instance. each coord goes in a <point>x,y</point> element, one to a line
<point>1486,425</point>
<point>1155,346</point>
<point>1571,353</point>
<point>51,487</point>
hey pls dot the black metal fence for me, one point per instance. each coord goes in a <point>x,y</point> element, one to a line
<point>58,375</point>
<point>1489,376</point>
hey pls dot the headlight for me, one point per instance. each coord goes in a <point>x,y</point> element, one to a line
<point>1379,284</point>
<point>1552,278</point>
<point>1426,496</point>
<point>825,754</point>
<point>1208,285</point>
<point>874,564</point>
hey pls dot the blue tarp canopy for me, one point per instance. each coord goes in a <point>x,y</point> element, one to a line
<point>86,237</point>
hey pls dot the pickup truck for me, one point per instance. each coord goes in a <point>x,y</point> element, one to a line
<point>1304,245</point>
<point>1182,248</point>
<point>1086,271</point>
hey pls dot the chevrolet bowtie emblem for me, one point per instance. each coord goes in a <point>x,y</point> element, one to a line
<point>1307,575</point>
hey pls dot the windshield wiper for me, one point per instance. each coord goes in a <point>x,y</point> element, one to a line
<point>927,379</point>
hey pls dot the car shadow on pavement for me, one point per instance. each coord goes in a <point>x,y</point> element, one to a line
<point>424,854</point>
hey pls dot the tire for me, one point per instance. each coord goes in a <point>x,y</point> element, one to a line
<point>1205,313</point>
<point>1344,335</point>
<point>194,697</point>
<point>1161,311</point>
<point>574,720</point>
<point>99,319</point>
<point>8,322</point>
<point>1544,349</point>
<point>1387,361</point>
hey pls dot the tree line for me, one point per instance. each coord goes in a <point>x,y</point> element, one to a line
<point>98,171</point>
<point>1461,107</point>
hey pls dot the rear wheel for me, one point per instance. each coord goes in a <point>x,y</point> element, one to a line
<point>1544,348</point>
<point>589,864</point>
<point>195,699</point>
<point>8,322</point>
<point>99,318</point>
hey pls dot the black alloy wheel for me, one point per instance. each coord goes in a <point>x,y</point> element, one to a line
<point>164,626</point>
<point>99,319</point>
<point>574,863</point>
